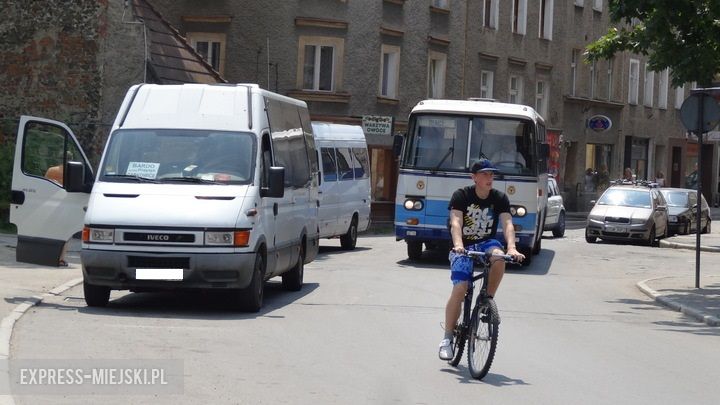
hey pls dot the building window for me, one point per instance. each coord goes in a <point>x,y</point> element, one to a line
<point>546,19</point>
<point>679,96</point>
<point>211,46</point>
<point>441,3</point>
<point>573,70</point>
<point>486,84</point>
<point>633,81</point>
<point>389,71</point>
<point>436,74</point>
<point>516,89</point>
<point>610,68</point>
<point>648,86</point>
<point>319,63</point>
<point>579,3</point>
<point>519,13</point>
<point>490,13</point>
<point>597,5</point>
<point>541,97</point>
<point>663,89</point>
<point>593,78</point>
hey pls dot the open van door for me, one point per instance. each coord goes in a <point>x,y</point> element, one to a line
<point>51,185</point>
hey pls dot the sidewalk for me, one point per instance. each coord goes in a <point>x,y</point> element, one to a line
<point>679,292</point>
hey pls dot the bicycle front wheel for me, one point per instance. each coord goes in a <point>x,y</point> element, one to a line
<point>482,341</point>
<point>458,345</point>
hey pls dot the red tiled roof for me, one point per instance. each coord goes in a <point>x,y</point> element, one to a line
<point>171,59</point>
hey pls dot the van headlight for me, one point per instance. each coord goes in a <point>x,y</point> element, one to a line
<point>227,238</point>
<point>98,235</point>
<point>518,210</point>
<point>412,204</point>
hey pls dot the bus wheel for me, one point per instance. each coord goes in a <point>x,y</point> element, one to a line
<point>414,249</point>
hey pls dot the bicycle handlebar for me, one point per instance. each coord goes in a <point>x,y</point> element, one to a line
<point>488,255</point>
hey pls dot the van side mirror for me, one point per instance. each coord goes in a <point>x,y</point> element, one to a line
<point>397,144</point>
<point>76,174</point>
<point>276,183</point>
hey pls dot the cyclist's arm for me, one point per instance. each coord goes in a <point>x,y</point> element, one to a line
<point>509,232</point>
<point>456,220</point>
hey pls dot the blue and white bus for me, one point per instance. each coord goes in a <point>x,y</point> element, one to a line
<point>444,138</point>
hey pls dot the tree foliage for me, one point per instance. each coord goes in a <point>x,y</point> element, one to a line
<point>683,35</point>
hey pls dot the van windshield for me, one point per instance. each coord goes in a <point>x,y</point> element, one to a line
<point>179,156</point>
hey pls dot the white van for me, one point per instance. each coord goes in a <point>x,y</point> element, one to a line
<point>199,186</point>
<point>345,181</point>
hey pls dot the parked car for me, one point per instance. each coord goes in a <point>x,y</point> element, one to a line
<point>628,212</point>
<point>555,214</point>
<point>682,211</point>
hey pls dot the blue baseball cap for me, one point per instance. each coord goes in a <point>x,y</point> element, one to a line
<point>483,165</point>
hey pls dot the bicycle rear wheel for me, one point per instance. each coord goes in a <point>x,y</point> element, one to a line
<point>483,337</point>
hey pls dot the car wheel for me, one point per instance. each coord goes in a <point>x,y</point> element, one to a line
<point>559,230</point>
<point>588,238</point>
<point>706,229</point>
<point>651,237</point>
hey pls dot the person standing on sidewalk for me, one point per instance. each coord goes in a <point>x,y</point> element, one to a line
<point>475,212</point>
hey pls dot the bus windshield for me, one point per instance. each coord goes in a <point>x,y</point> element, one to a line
<point>453,143</point>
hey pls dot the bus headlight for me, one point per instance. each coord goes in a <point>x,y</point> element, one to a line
<point>518,211</point>
<point>413,205</point>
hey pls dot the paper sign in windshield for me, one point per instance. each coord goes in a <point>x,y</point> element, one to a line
<point>147,170</point>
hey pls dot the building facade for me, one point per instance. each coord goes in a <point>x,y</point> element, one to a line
<point>372,60</point>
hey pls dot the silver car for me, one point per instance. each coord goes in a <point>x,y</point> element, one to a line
<point>629,212</point>
<point>555,214</point>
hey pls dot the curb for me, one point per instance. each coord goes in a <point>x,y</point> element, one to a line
<point>676,245</point>
<point>674,305</point>
<point>7,324</point>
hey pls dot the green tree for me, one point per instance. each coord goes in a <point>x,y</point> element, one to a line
<point>683,35</point>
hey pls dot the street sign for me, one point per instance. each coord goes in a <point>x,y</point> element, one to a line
<point>690,111</point>
<point>599,123</point>
<point>377,125</point>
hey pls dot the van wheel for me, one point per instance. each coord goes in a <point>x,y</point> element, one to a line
<point>293,279</point>
<point>96,295</point>
<point>528,256</point>
<point>349,240</point>
<point>538,245</point>
<point>250,298</point>
<point>414,249</point>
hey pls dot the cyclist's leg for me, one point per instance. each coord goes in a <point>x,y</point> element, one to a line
<point>497,266</point>
<point>461,268</point>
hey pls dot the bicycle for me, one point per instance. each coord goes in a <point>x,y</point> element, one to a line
<point>479,325</point>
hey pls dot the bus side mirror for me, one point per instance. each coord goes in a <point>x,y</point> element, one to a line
<point>76,175</point>
<point>397,144</point>
<point>544,151</point>
<point>276,183</point>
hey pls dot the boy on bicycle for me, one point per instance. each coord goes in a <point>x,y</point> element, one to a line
<point>475,212</point>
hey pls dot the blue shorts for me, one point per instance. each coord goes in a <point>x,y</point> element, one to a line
<point>461,266</point>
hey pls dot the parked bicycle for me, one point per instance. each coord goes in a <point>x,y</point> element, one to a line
<point>479,325</point>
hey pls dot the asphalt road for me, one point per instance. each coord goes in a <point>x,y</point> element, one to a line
<point>365,329</point>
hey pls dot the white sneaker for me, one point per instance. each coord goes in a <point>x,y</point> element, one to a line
<point>446,349</point>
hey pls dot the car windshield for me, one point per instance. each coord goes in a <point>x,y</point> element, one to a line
<point>676,198</point>
<point>626,198</point>
<point>179,156</point>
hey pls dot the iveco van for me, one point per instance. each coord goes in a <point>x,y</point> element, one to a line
<point>345,181</point>
<point>199,186</point>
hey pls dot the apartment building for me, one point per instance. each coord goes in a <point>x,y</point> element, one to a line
<point>373,60</point>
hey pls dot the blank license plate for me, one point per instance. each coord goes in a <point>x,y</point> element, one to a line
<point>159,274</point>
<point>618,229</point>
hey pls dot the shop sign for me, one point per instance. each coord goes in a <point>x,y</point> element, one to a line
<point>599,123</point>
<point>377,125</point>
